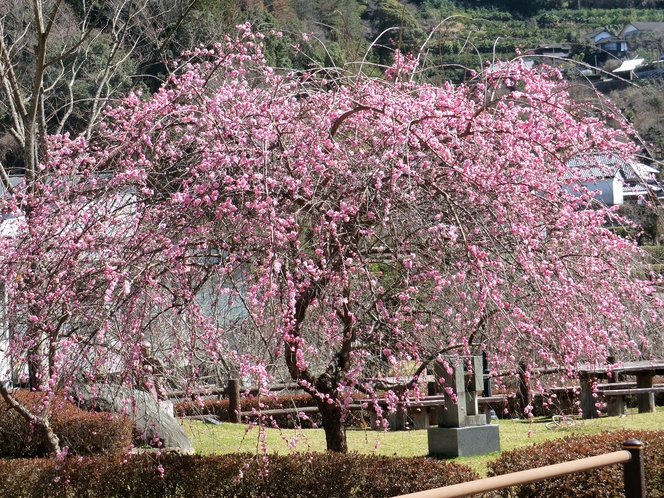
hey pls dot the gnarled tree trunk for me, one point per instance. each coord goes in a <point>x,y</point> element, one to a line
<point>335,431</point>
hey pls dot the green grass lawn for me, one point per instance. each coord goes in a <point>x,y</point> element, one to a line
<point>230,438</point>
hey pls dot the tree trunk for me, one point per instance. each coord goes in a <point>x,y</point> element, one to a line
<point>37,369</point>
<point>335,432</point>
<point>40,423</point>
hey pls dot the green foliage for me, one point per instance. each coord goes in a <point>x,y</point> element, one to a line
<point>84,433</point>
<point>605,482</point>
<point>341,30</point>
<point>656,253</point>
<point>300,475</point>
<point>407,35</point>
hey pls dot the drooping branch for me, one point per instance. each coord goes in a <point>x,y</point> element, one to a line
<point>339,121</point>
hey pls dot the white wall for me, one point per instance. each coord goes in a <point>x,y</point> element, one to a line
<point>612,190</point>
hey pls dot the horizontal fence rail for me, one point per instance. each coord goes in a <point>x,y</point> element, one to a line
<point>631,456</point>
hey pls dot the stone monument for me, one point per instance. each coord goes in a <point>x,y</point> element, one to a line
<point>462,430</point>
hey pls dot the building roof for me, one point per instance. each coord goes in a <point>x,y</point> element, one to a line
<point>634,190</point>
<point>629,65</point>
<point>14,181</point>
<point>596,33</point>
<point>639,171</point>
<point>554,46</point>
<point>636,26</point>
<point>595,166</point>
<point>609,39</point>
<point>637,179</point>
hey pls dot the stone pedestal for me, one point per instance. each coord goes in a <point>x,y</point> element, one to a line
<point>462,430</point>
<point>452,442</point>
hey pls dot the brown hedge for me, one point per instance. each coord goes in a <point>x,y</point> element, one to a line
<point>288,476</point>
<point>83,433</point>
<point>606,482</point>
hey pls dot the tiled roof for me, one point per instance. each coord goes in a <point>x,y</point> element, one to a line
<point>639,172</point>
<point>594,166</point>
<point>634,190</point>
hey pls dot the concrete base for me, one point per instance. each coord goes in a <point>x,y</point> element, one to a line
<point>454,442</point>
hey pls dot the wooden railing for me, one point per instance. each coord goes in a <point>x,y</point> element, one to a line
<point>613,393</point>
<point>631,456</point>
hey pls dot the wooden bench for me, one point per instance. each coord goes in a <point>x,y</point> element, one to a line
<point>419,412</point>
<point>615,398</point>
<point>487,401</point>
<point>423,413</point>
<point>564,395</point>
<point>644,371</point>
<point>615,403</point>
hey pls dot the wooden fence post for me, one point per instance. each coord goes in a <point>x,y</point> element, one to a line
<point>587,396</point>
<point>487,381</point>
<point>234,401</point>
<point>524,391</point>
<point>645,401</point>
<point>615,376</point>
<point>635,478</point>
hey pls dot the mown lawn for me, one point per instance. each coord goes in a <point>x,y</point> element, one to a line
<point>229,438</point>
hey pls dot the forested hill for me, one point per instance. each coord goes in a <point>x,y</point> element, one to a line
<point>465,32</point>
<point>95,52</point>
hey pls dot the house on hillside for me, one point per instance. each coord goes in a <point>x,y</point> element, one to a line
<point>599,173</point>
<point>645,37</point>
<point>636,28</point>
<point>608,43</point>
<point>641,183</point>
<point>553,50</point>
<point>614,180</point>
<point>5,360</point>
<point>8,227</point>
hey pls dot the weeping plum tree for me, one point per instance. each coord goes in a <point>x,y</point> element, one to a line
<point>366,228</point>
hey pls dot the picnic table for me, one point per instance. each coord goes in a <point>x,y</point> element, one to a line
<point>644,389</point>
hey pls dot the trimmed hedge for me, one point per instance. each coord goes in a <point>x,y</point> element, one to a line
<point>83,433</point>
<point>325,475</point>
<point>606,482</point>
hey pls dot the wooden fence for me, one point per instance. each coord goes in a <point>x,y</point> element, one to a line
<point>613,393</point>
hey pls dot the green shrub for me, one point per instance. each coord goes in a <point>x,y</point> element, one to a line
<point>656,253</point>
<point>605,482</point>
<point>299,475</point>
<point>83,433</point>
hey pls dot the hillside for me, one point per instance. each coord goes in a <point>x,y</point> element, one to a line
<point>129,51</point>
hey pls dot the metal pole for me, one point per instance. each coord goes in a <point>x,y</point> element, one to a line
<point>635,477</point>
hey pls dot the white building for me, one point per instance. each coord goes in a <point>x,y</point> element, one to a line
<point>614,180</point>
